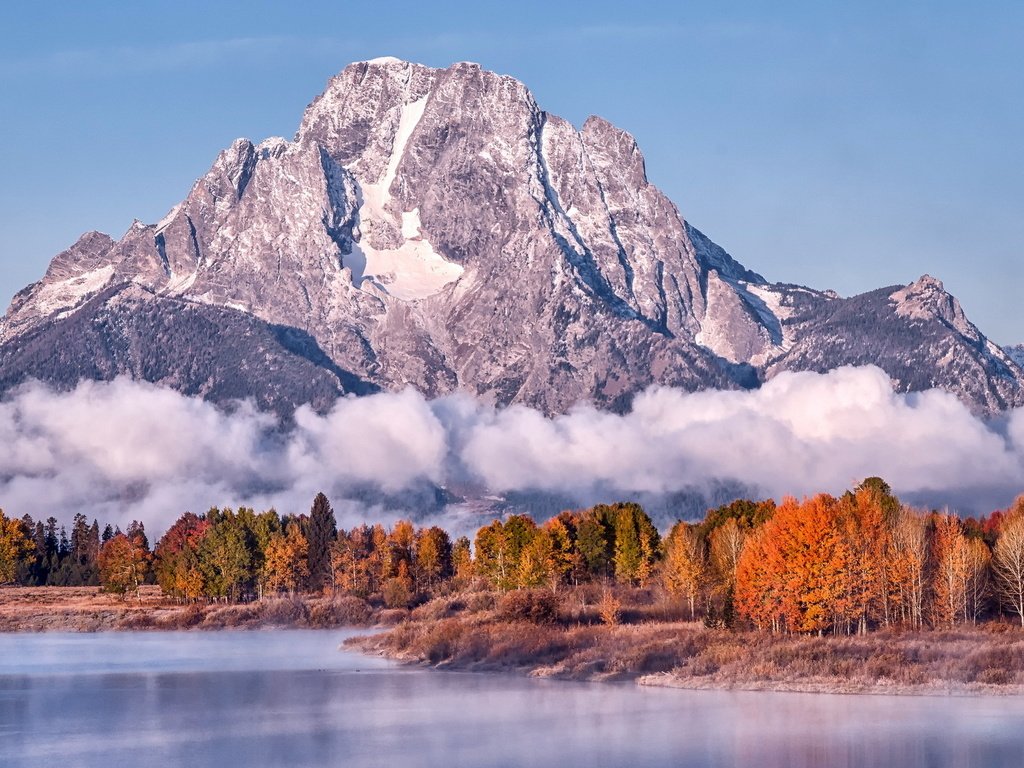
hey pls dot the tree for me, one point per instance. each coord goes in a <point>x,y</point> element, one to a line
<point>321,534</point>
<point>594,537</point>
<point>865,519</point>
<point>462,561</point>
<point>492,555</point>
<point>793,572</point>
<point>726,547</point>
<point>536,562</point>
<point>907,570</point>
<point>401,549</point>
<point>398,589</point>
<point>15,547</point>
<point>227,555</point>
<point>636,544</point>
<point>286,562</point>
<point>1008,563</point>
<point>352,558</point>
<point>176,559</point>
<point>433,557</point>
<point>949,592</point>
<point>979,566</point>
<point>685,568</point>
<point>562,559</point>
<point>122,564</point>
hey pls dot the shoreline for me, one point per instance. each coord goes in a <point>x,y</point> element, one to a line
<point>370,645</point>
<point>660,652</point>
<point>440,635</point>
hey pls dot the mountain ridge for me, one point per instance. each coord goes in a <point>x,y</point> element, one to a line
<point>436,227</point>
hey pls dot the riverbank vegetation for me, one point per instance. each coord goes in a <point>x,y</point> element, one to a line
<point>804,593</point>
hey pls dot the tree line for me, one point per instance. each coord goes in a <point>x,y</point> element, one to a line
<point>826,565</point>
<point>41,553</point>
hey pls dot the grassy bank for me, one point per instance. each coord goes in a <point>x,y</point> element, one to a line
<point>654,647</point>
<point>86,609</point>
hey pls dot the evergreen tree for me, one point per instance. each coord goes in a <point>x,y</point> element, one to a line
<point>322,531</point>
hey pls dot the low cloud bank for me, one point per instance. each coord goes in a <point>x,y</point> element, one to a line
<point>123,450</point>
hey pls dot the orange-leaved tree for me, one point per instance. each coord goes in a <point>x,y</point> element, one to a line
<point>793,574</point>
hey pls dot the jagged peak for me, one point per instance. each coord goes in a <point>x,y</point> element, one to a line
<point>93,237</point>
<point>614,146</point>
<point>273,146</point>
<point>927,298</point>
<point>927,282</point>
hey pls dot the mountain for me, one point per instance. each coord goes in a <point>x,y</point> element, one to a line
<point>435,227</point>
<point>1016,353</point>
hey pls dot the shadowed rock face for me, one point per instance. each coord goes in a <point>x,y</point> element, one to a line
<point>435,227</point>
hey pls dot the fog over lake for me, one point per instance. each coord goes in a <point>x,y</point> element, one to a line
<point>290,698</point>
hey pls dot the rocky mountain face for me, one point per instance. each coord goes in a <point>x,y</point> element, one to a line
<point>435,227</point>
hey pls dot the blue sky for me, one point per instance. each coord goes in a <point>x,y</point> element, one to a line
<point>841,147</point>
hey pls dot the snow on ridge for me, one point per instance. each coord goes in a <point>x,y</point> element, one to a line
<point>413,270</point>
<point>69,293</point>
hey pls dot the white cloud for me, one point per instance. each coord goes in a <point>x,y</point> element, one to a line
<point>124,450</point>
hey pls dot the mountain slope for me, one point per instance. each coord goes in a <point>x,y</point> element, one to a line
<point>435,227</point>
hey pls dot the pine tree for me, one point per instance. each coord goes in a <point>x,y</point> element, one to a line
<point>322,531</point>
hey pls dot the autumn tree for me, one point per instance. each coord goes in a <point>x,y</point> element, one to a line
<point>122,562</point>
<point>950,557</point>
<point>286,560</point>
<point>907,569</point>
<point>635,546</point>
<point>499,548</point>
<point>433,557</point>
<point>866,528</point>
<point>760,582</point>
<point>562,559</point>
<point>978,573</point>
<point>462,561</point>
<point>792,575</point>
<point>15,547</point>
<point>352,558</point>
<point>685,568</point>
<point>398,589</point>
<point>1008,563</point>
<point>401,543</point>
<point>176,557</point>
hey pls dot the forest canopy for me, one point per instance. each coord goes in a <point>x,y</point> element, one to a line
<point>821,565</point>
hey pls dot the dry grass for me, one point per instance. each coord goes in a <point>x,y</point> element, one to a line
<point>87,609</point>
<point>686,654</point>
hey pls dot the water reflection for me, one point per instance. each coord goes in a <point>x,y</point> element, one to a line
<point>290,699</point>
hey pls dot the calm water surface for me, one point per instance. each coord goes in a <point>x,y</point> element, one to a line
<point>290,698</point>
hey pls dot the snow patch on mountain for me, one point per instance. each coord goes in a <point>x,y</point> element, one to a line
<point>413,269</point>
<point>63,296</point>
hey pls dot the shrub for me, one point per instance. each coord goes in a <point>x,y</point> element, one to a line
<point>231,616</point>
<point>397,592</point>
<point>286,611</point>
<point>538,606</point>
<point>609,608</point>
<point>392,616</point>
<point>347,610</point>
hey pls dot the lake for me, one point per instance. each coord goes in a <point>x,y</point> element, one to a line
<point>291,698</point>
